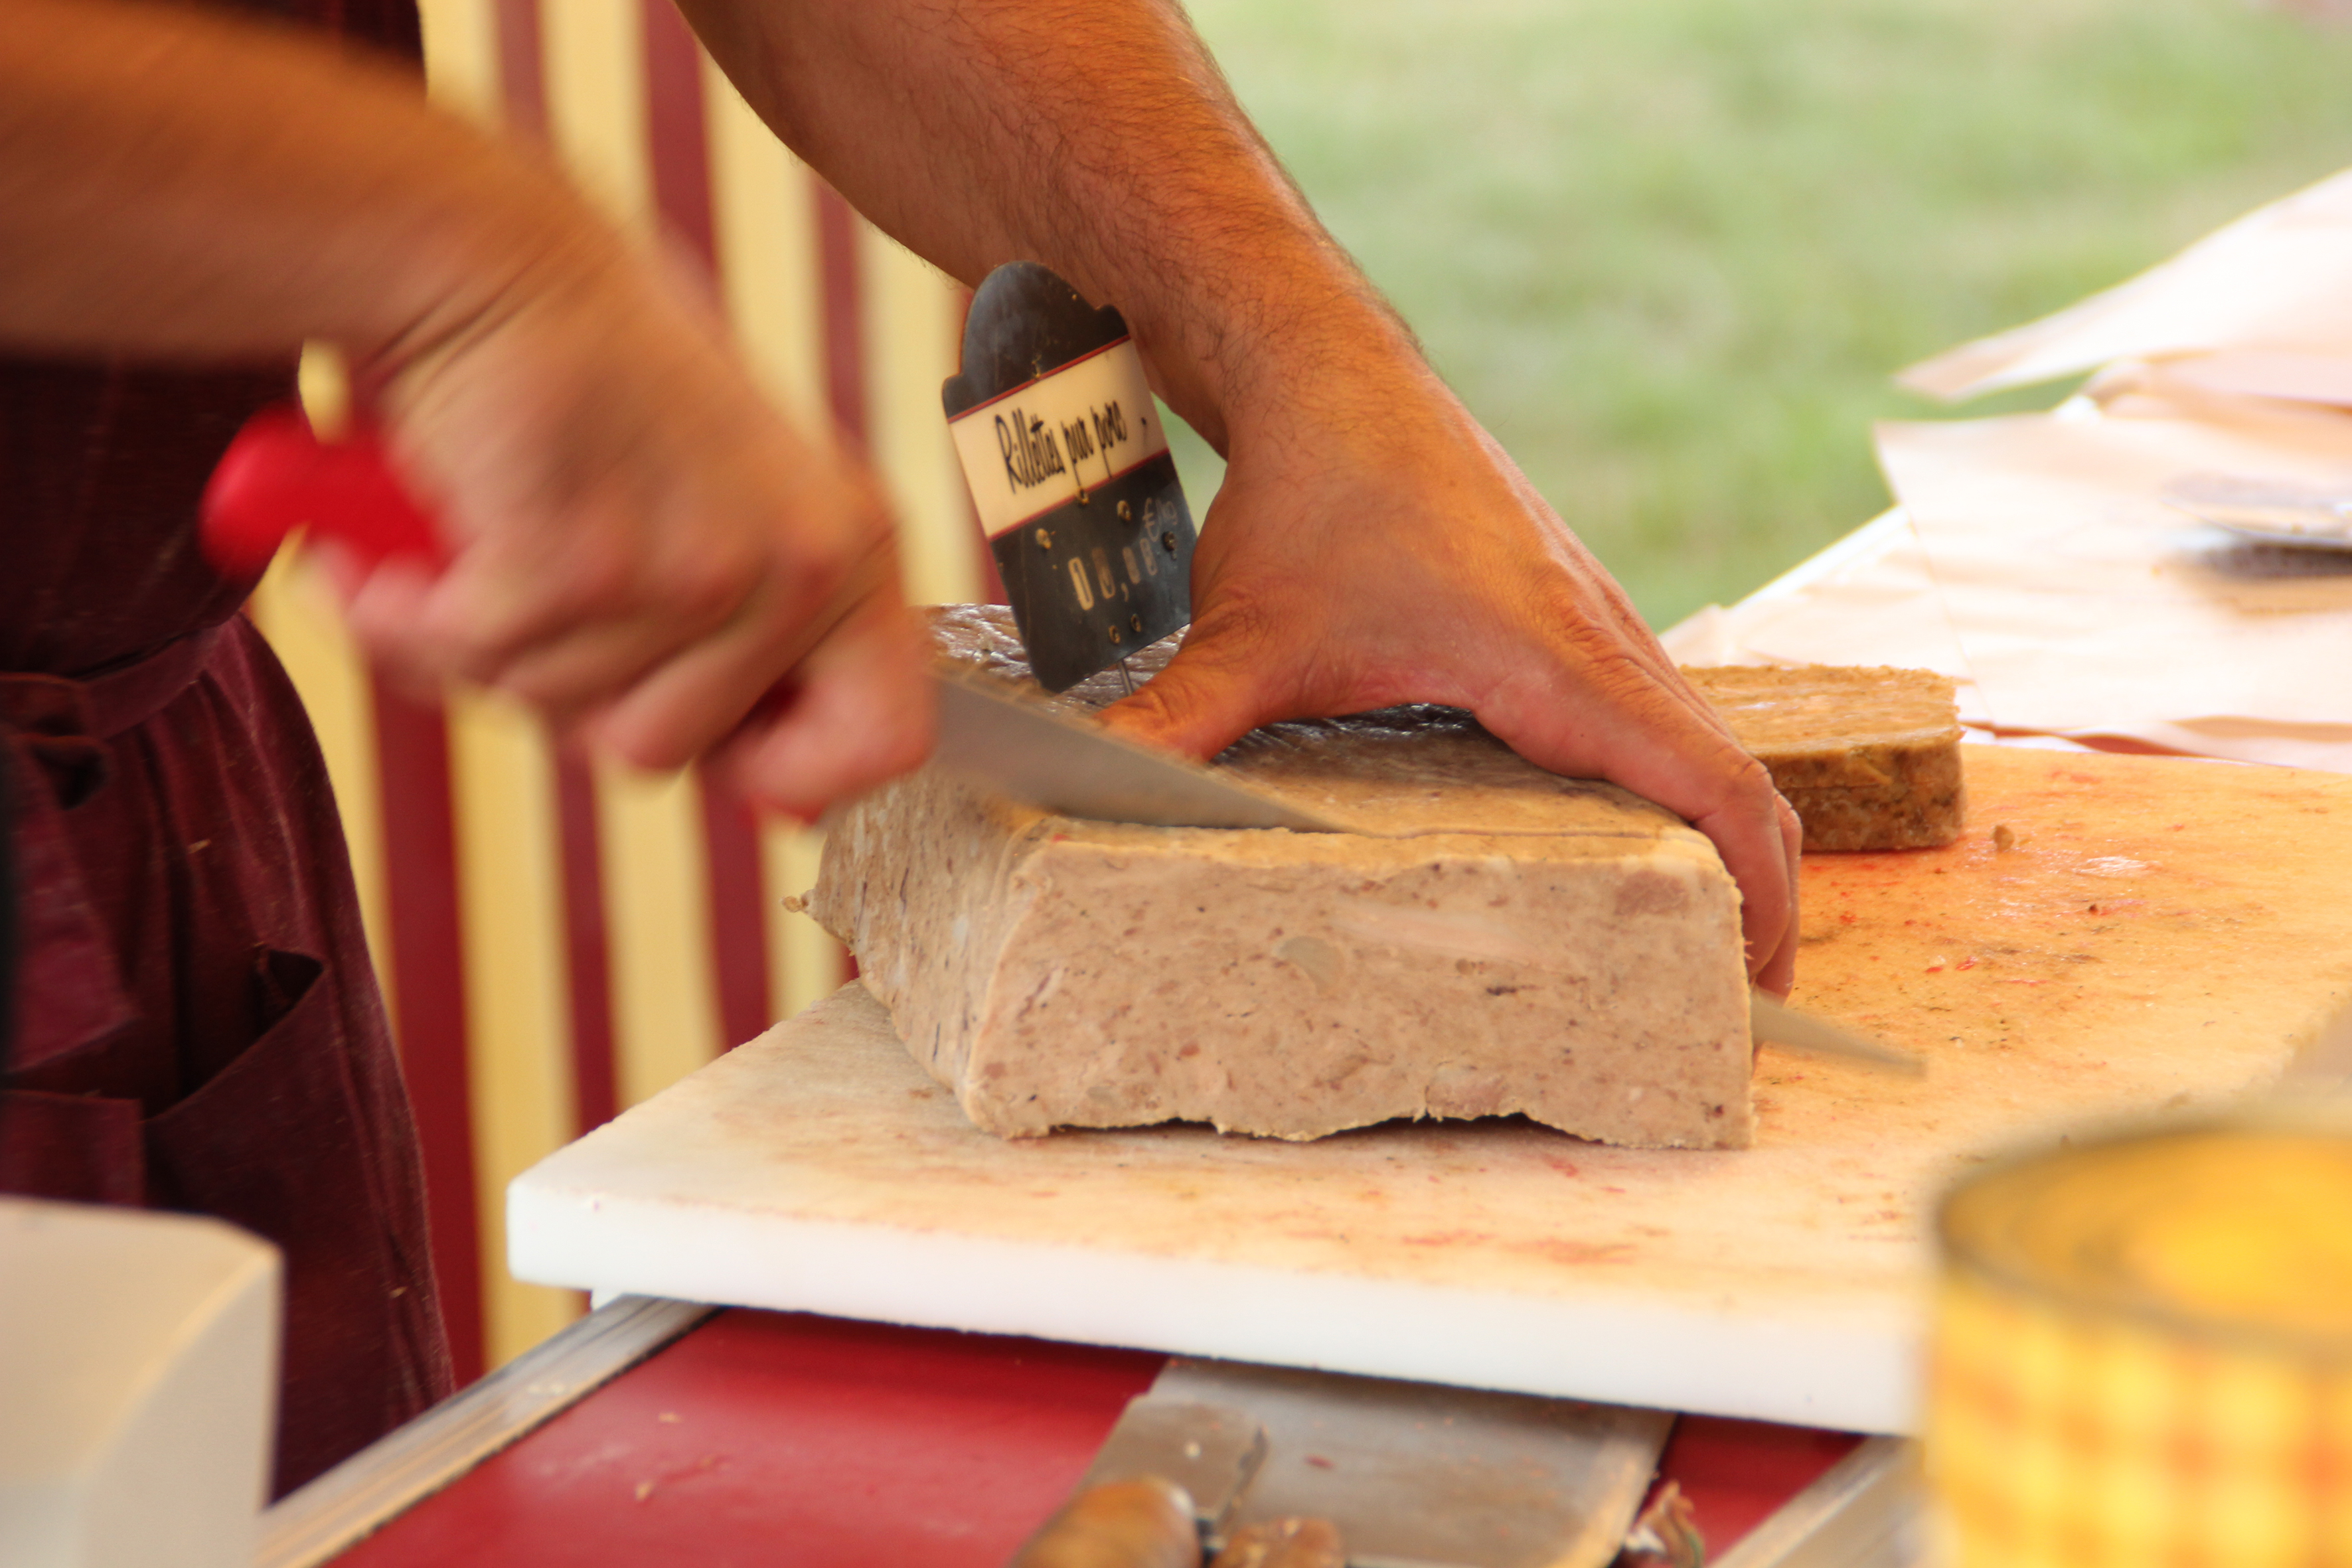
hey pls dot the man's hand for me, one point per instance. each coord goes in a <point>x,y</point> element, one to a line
<point>640,545</point>
<point>1372,545</point>
<point>643,550</point>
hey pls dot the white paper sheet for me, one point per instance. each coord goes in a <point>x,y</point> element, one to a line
<point>2083,604</point>
<point>1881,603</point>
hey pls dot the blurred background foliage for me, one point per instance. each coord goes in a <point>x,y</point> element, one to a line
<point>1670,251</point>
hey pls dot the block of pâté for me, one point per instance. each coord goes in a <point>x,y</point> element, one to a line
<point>1869,756</point>
<point>1548,946</point>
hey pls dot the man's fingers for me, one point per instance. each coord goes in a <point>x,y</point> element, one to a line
<point>385,606</point>
<point>683,707</point>
<point>1779,970</point>
<point>1204,702</point>
<point>697,698</point>
<point>584,669</point>
<point>1755,850</point>
<point>861,712</point>
<point>1666,752</point>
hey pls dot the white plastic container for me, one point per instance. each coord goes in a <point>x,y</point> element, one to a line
<point>138,1387</point>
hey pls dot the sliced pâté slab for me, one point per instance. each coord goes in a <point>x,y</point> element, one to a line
<point>1869,756</point>
<point>1551,946</point>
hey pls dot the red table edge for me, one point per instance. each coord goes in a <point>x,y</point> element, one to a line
<point>1869,1499</point>
<point>398,1471</point>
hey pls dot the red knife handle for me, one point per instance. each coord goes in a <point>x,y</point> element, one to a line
<point>277,477</point>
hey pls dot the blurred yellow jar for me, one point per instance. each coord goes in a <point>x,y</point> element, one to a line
<point>2142,1355</point>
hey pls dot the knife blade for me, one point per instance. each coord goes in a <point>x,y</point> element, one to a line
<point>1072,765</point>
<point>1413,1475</point>
<point>1212,1451</point>
<point>1769,1019</point>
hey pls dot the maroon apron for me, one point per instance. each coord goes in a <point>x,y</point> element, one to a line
<point>197,1025</point>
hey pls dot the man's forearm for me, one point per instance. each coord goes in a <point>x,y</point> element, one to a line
<point>180,185</point>
<point>1098,139</point>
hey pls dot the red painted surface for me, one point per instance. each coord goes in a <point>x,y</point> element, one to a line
<point>767,1437</point>
<point>427,988</point>
<point>1739,1473</point>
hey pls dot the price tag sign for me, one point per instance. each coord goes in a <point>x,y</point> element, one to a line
<point>1070,472</point>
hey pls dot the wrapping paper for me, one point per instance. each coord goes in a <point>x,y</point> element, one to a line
<point>2033,561</point>
<point>2082,603</point>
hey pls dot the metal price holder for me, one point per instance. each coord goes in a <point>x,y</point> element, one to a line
<point>1070,471</point>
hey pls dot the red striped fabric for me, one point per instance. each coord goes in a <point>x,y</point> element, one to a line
<point>587,954</point>
<point>681,173</point>
<point>679,146</point>
<point>992,581</point>
<point>738,915</point>
<point>845,340</point>
<point>595,1071</point>
<point>427,985</point>
<point>844,331</point>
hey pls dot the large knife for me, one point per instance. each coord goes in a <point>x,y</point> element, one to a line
<point>1411,1475</point>
<point>1771,1019</point>
<point>1070,764</point>
<point>277,477</point>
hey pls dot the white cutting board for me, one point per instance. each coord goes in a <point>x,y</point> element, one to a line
<point>2161,937</point>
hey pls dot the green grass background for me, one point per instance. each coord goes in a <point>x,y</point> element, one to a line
<point>1670,251</point>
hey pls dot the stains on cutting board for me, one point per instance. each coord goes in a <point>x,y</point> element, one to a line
<point>2087,893</point>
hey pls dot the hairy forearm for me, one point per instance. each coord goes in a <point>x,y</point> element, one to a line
<point>178,185</point>
<point>1097,138</point>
